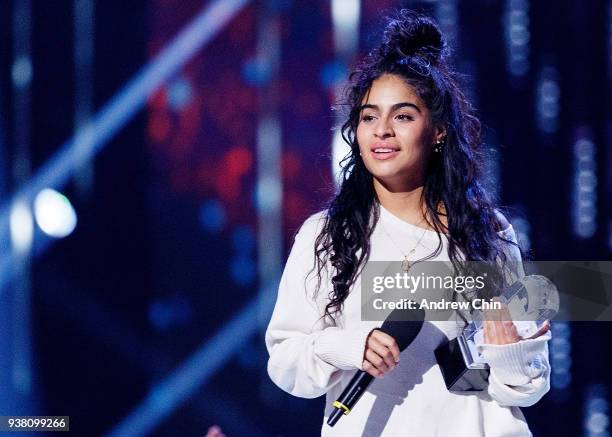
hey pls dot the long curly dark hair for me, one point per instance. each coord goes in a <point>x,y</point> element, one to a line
<point>414,49</point>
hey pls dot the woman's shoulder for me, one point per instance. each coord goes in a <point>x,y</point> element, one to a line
<point>504,227</point>
<point>511,243</point>
<point>305,237</point>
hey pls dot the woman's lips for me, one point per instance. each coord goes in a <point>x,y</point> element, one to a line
<point>384,153</point>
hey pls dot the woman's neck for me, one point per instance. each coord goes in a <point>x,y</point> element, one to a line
<point>406,203</point>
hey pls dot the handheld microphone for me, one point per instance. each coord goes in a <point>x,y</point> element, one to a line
<point>403,326</point>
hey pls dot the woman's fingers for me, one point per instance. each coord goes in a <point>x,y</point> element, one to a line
<point>491,332</point>
<point>543,330</point>
<point>498,326</point>
<point>377,361</point>
<point>389,342</point>
<point>369,368</point>
<point>381,355</point>
<point>382,351</point>
<point>510,334</point>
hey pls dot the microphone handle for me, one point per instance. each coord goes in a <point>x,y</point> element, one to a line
<point>350,395</point>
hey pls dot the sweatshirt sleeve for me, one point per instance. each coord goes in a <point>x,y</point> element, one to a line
<point>520,372</point>
<point>306,355</point>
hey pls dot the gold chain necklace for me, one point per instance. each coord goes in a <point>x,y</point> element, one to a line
<point>406,263</point>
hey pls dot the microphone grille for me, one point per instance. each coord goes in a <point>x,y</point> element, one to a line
<point>404,325</point>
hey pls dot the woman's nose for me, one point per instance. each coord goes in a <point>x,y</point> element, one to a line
<point>383,129</point>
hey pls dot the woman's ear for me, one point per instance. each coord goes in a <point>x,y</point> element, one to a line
<point>440,133</point>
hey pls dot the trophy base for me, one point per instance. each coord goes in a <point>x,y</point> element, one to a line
<point>459,369</point>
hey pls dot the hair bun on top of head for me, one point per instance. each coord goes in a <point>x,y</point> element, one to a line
<point>411,34</point>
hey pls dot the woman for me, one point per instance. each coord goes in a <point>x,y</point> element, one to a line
<point>410,191</point>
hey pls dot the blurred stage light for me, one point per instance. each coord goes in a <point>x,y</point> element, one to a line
<point>584,193</point>
<point>269,193</point>
<point>243,270</point>
<point>345,21</point>
<point>179,93</point>
<point>256,71</point>
<point>333,73</point>
<point>560,355</point>
<point>21,72</point>
<point>548,97</point>
<point>345,18</point>
<point>596,420</point>
<point>54,213</point>
<point>243,240</point>
<point>516,25</point>
<point>21,226</point>
<point>447,16</point>
<point>94,135</point>
<point>212,215</point>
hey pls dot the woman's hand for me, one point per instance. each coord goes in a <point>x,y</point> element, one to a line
<point>499,329</point>
<point>381,353</point>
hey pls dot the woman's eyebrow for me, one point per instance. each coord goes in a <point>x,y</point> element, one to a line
<point>395,107</point>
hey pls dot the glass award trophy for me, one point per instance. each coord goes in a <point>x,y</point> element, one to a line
<point>531,301</point>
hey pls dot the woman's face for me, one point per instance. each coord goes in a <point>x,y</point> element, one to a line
<point>394,133</point>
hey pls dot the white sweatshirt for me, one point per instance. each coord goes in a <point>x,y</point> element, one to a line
<point>309,358</point>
